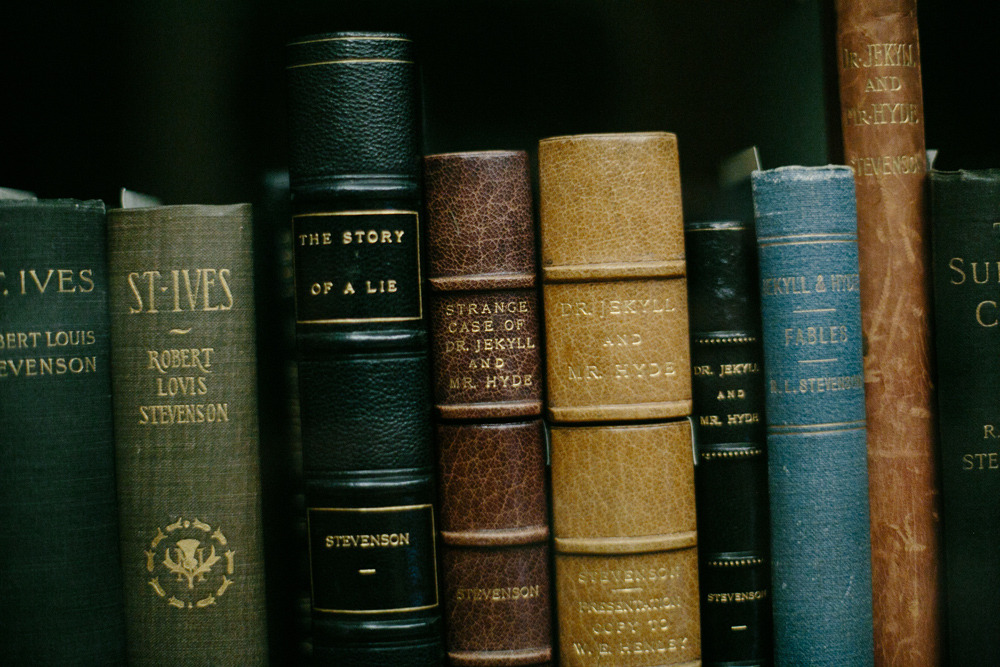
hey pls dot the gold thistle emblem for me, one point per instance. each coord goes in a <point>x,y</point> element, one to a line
<point>194,575</point>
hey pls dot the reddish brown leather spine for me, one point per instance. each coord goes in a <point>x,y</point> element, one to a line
<point>484,325</point>
<point>882,119</point>
<point>484,310</point>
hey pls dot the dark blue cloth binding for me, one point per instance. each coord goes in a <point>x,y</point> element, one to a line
<point>817,463</point>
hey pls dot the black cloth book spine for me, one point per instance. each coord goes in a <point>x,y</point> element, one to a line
<point>60,580</point>
<point>362,350</point>
<point>964,211</point>
<point>730,441</point>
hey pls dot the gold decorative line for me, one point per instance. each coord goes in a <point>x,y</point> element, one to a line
<point>716,229</point>
<point>400,610</point>
<point>768,245</point>
<point>731,339</point>
<point>817,310</point>
<point>738,627</point>
<point>817,361</point>
<point>741,562</point>
<point>782,427</point>
<point>181,332</point>
<point>394,508</point>
<point>807,236</point>
<point>357,320</point>
<point>626,590</point>
<point>352,61</point>
<point>372,38</point>
<point>381,211</point>
<point>741,454</point>
<point>367,571</point>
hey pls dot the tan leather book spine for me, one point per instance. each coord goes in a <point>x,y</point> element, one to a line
<point>883,128</point>
<point>487,366</point>
<point>615,304</point>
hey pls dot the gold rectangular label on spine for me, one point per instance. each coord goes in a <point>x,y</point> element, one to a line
<point>357,266</point>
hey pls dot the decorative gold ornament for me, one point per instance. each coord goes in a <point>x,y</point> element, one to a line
<point>187,570</point>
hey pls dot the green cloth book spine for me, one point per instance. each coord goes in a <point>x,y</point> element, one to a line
<point>185,400</point>
<point>965,212</point>
<point>60,585</point>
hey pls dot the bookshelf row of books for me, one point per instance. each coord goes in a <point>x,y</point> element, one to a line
<point>608,438</point>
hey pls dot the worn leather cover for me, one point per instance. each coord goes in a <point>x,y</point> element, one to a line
<point>817,466</point>
<point>362,350</point>
<point>729,425</point>
<point>185,403</point>
<point>623,516</point>
<point>487,365</point>
<point>60,580</point>
<point>495,535</point>
<point>616,334</point>
<point>484,304</point>
<point>878,61</point>
<point>613,277</point>
<point>352,111</point>
<point>964,209</point>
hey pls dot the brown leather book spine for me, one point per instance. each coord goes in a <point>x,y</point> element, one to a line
<point>883,128</point>
<point>487,373</point>
<point>617,351</point>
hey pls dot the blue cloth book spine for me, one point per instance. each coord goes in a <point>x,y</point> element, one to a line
<point>817,463</point>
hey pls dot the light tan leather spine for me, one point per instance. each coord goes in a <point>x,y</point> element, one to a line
<point>617,351</point>
<point>613,272</point>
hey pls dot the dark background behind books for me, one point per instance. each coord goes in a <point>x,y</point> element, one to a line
<point>185,99</point>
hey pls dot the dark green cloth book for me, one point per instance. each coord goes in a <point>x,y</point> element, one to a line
<point>60,582</point>
<point>185,399</point>
<point>965,223</point>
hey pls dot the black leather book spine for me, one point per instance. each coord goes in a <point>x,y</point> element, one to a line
<point>362,350</point>
<point>965,210</point>
<point>730,439</point>
<point>60,579</point>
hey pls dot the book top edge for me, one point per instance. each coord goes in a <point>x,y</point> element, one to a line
<point>200,210</point>
<point>715,225</point>
<point>965,174</point>
<point>88,204</point>
<point>804,174</point>
<point>608,136</point>
<point>477,154</point>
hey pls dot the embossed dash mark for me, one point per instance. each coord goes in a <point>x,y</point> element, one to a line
<point>367,572</point>
<point>180,332</point>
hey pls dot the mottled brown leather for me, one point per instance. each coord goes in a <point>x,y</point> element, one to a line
<point>494,535</point>
<point>889,165</point>
<point>484,303</point>
<point>610,199</point>
<point>623,502</point>
<point>635,610</point>
<point>491,481</point>
<point>613,482</point>
<point>613,277</point>
<point>498,605</point>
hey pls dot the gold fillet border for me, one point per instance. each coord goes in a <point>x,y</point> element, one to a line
<point>359,320</point>
<point>365,510</point>
<point>352,61</point>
